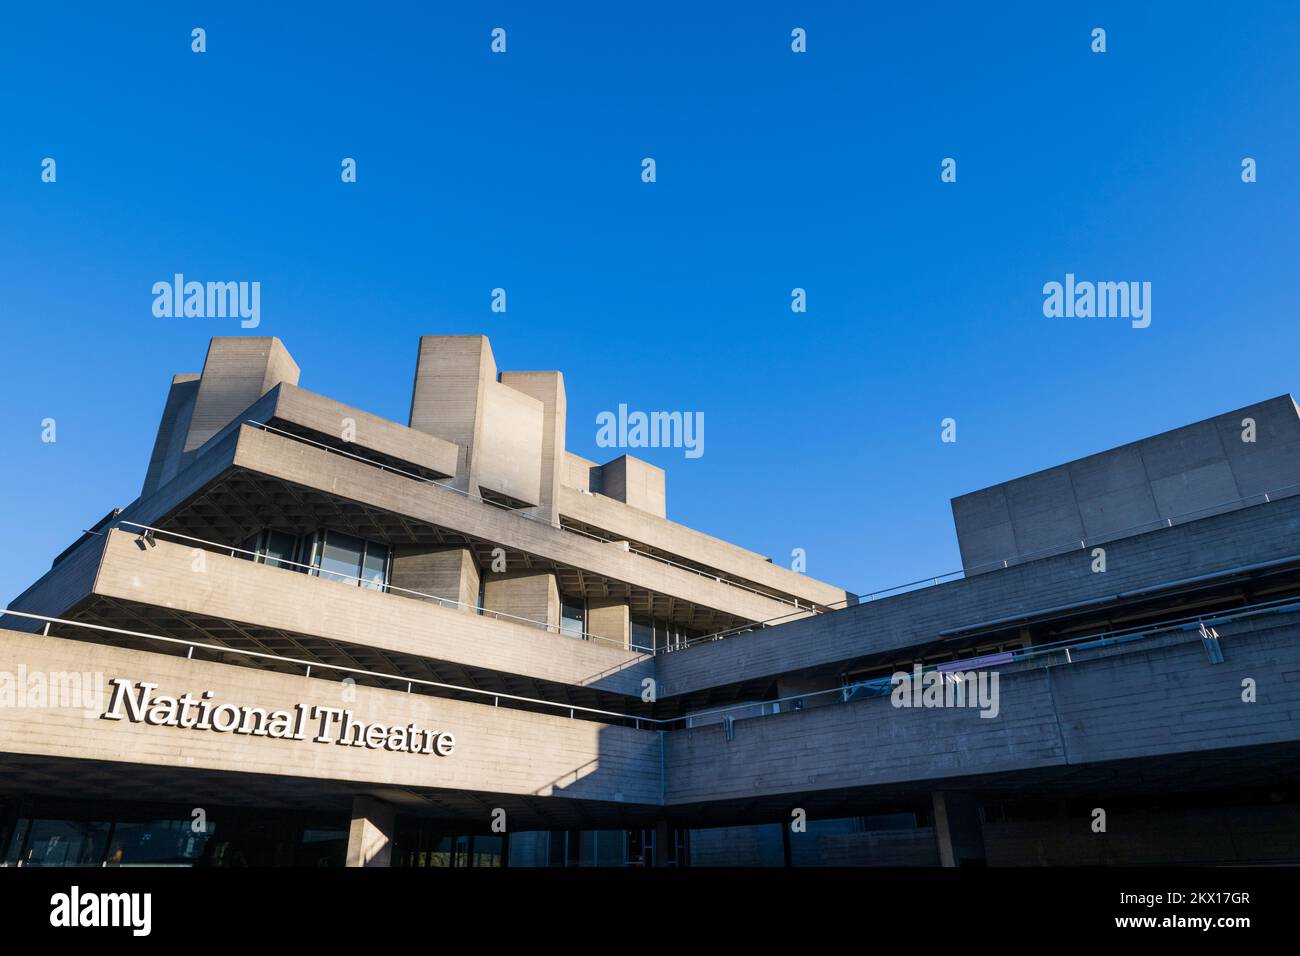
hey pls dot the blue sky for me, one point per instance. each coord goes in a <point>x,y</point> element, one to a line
<point>775,171</point>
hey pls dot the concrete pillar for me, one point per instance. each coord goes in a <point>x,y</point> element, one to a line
<point>958,830</point>
<point>370,838</point>
<point>532,595</point>
<point>172,432</point>
<point>451,374</point>
<point>635,482</point>
<point>547,388</point>
<point>237,372</point>
<point>510,431</point>
<point>440,571</point>
<point>610,618</point>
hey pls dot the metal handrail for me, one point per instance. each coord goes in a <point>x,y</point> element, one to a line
<point>800,607</point>
<point>1100,639</point>
<point>931,580</point>
<point>369,583</point>
<point>309,665</point>
<point>1096,640</point>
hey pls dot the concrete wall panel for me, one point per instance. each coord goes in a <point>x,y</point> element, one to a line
<point>1263,532</point>
<point>509,457</point>
<point>1199,468</point>
<point>237,590</point>
<point>497,750</point>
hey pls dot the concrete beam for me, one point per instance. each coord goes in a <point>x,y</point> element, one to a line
<point>233,589</point>
<point>316,468</point>
<point>623,521</point>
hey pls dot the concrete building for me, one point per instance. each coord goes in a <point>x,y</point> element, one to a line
<point>322,637</point>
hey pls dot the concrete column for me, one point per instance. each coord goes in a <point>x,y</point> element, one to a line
<point>547,388</point>
<point>528,594</point>
<point>370,838</point>
<point>635,482</point>
<point>440,571</point>
<point>172,432</point>
<point>610,618</point>
<point>237,371</point>
<point>958,830</point>
<point>447,402</point>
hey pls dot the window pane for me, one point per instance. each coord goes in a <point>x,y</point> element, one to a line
<point>486,851</point>
<point>155,842</point>
<point>375,575</point>
<point>280,548</point>
<point>643,634</point>
<point>341,557</point>
<point>66,843</point>
<point>572,616</point>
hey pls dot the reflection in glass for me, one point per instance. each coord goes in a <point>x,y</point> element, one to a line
<point>573,613</point>
<point>341,557</point>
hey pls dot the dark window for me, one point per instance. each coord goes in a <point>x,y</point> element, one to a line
<point>643,634</point>
<point>280,550</point>
<point>329,554</point>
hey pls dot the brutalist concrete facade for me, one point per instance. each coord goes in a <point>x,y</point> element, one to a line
<point>453,642</point>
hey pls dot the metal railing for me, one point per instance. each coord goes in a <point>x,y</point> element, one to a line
<point>1263,497</point>
<point>847,693</point>
<point>371,584</point>
<point>801,607</point>
<point>801,610</point>
<point>410,682</point>
<point>879,686</point>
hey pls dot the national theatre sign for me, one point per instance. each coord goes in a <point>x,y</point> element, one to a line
<point>323,725</point>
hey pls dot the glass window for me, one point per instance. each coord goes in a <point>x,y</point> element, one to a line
<point>155,842</point>
<point>281,549</point>
<point>66,843</point>
<point>275,548</point>
<point>341,557</point>
<point>573,614</point>
<point>487,851</point>
<point>375,567</point>
<point>640,847</point>
<point>643,633</point>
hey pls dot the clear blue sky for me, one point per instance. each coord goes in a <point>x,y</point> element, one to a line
<point>775,170</point>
